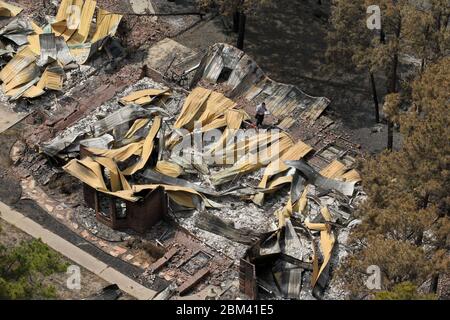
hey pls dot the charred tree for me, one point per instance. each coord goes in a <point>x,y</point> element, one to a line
<point>241,32</point>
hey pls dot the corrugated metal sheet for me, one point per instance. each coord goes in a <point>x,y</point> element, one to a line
<point>24,76</point>
<point>44,46</point>
<point>63,53</point>
<point>286,123</point>
<point>279,144</point>
<point>339,171</point>
<point>67,19</point>
<point>20,61</point>
<point>296,152</point>
<point>49,53</point>
<point>203,105</point>
<point>33,92</point>
<point>9,10</point>
<point>34,44</point>
<point>142,97</point>
<point>334,170</point>
<point>19,39</point>
<point>107,24</point>
<point>248,80</point>
<point>87,13</point>
<point>63,10</point>
<point>313,113</point>
<point>52,78</point>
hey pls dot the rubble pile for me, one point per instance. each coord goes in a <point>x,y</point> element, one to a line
<point>36,57</point>
<point>68,140</point>
<point>316,204</point>
<point>265,212</point>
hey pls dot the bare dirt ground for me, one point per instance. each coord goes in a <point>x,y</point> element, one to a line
<point>207,33</point>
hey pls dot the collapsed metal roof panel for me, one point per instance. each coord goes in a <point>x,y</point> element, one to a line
<point>64,41</point>
<point>248,80</point>
<point>9,10</point>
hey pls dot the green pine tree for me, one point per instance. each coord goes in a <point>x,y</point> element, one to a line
<point>407,29</point>
<point>405,220</point>
<point>23,267</point>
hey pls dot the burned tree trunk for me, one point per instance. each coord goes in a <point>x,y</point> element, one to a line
<point>390,143</point>
<point>236,21</point>
<point>241,34</point>
<point>434,283</point>
<point>375,98</point>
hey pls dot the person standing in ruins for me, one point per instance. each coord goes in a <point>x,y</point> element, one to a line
<point>260,113</point>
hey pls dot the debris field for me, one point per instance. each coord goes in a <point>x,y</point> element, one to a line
<point>112,119</point>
